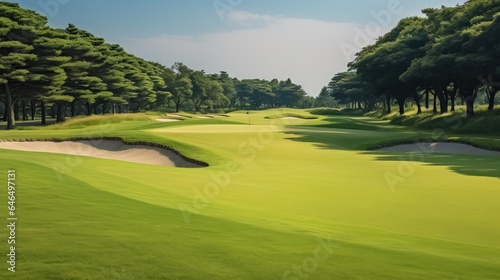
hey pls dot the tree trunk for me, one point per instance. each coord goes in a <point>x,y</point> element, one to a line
<point>16,111</point>
<point>44,113</point>
<point>25,112</point>
<point>5,114</point>
<point>73,109</point>
<point>470,107</point>
<point>470,98</point>
<point>452,99</point>
<point>119,109</point>
<point>61,112</point>
<point>104,108</point>
<point>113,108</point>
<point>53,111</point>
<point>416,98</point>
<point>427,99</point>
<point>89,109</point>
<point>96,109</point>
<point>491,99</point>
<point>401,103</point>
<point>177,105</point>
<point>434,105</point>
<point>33,109</point>
<point>443,99</point>
<point>388,99</point>
<point>11,122</point>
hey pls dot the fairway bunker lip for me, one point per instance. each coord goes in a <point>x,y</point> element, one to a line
<point>107,148</point>
<point>441,147</point>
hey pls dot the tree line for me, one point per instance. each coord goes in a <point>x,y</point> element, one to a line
<point>452,53</point>
<point>70,72</point>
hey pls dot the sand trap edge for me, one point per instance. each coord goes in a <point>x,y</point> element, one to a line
<point>199,163</point>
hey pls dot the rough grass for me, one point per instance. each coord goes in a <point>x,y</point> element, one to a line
<point>94,120</point>
<point>484,122</point>
<point>272,189</point>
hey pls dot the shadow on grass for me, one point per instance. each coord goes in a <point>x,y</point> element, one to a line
<point>344,133</point>
<point>357,123</point>
<point>482,166</point>
<point>347,133</point>
<point>26,124</point>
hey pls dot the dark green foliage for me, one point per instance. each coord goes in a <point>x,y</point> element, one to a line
<point>70,72</point>
<point>451,53</point>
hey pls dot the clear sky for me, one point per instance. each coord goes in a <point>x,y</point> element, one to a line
<point>305,40</point>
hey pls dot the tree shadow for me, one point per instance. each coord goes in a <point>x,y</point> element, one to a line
<point>330,136</point>
<point>353,123</point>
<point>359,135</point>
<point>470,165</point>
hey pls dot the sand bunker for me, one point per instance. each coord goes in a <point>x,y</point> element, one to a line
<point>204,117</point>
<point>106,149</point>
<point>168,120</point>
<point>290,118</point>
<point>439,147</point>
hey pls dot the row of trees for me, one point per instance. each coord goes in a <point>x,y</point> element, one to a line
<point>452,52</point>
<point>72,72</point>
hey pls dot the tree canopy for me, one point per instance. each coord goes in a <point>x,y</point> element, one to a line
<point>450,52</point>
<point>69,72</point>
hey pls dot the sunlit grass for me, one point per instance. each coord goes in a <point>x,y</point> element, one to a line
<point>272,189</point>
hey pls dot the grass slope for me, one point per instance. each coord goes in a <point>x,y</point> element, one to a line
<point>278,195</point>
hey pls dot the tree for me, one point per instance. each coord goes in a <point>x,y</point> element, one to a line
<point>287,93</point>
<point>17,32</point>
<point>71,66</point>
<point>244,91</point>
<point>179,84</point>
<point>229,89</point>
<point>382,64</point>
<point>325,99</point>
<point>462,47</point>
<point>200,89</point>
<point>48,69</point>
<point>261,93</point>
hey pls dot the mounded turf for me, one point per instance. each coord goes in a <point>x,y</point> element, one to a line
<point>281,200</point>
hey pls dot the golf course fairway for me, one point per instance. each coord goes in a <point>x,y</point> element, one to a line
<point>282,198</point>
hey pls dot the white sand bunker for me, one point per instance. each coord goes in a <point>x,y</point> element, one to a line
<point>106,149</point>
<point>290,118</point>
<point>177,116</point>
<point>168,120</point>
<point>439,147</point>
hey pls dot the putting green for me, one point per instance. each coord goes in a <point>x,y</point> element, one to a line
<point>280,200</point>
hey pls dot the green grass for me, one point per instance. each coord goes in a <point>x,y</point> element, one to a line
<point>299,114</point>
<point>291,182</point>
<point>484,121</point>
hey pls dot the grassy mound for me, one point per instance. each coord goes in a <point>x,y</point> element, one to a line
<point>292,115</point>
<point>88,121</point>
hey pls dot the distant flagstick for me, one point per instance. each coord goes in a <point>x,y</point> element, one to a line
<point>248,113</point>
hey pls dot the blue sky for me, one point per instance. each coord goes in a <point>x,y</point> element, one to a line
<point>305,40</point>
